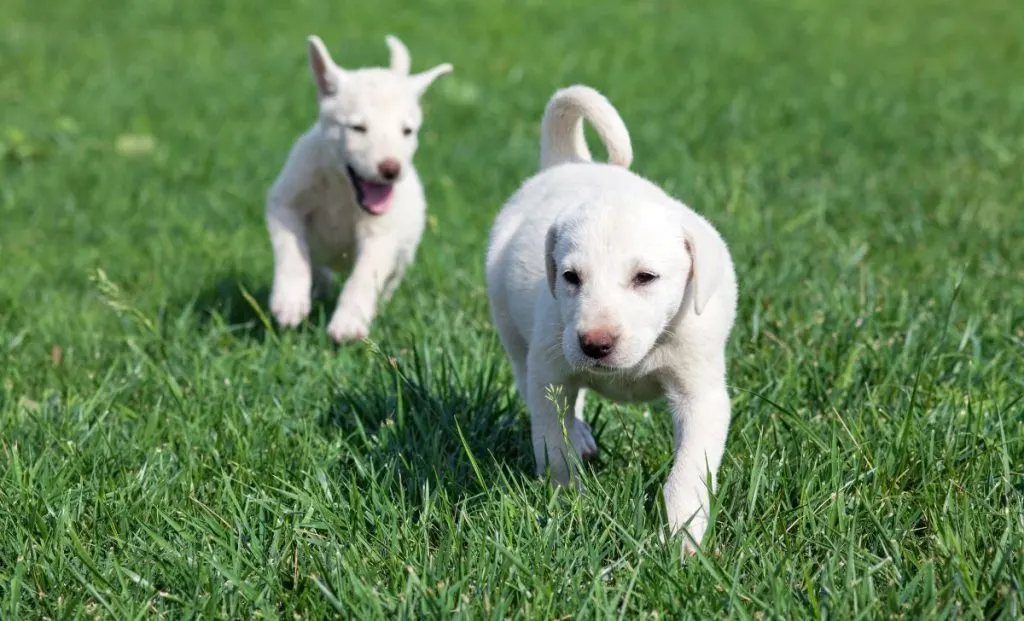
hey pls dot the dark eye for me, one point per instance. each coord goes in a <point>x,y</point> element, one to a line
<point>407,131</point>
<point>358,128</point>
<point>644,278</point>
<point>571,277</point>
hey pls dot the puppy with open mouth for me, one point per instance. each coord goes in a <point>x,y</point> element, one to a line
<point>348,197</point>
<point>600,280</point>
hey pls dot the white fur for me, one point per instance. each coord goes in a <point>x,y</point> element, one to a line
<point>607,225</point>
<point>315,222</point>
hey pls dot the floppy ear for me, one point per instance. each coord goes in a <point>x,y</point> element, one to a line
<point>421,81</point>
<point>400,61</point>
<point>549,257</point>
<point>705,250</point>
<point>328,75</point>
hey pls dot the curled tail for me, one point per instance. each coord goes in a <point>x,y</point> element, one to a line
<point>561,130</point>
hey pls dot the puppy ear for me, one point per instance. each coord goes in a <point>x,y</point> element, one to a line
<point>549,257</point>
<point>400,61</point>
<point>705,248</point>
<point>328,75</point>
<point>421,81</point>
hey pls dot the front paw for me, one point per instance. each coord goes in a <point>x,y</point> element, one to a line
<point>289,306</point>
<point>694,534</point>
<point>688,517</point>
<point>345,328</point>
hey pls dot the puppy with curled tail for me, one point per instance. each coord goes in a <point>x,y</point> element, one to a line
<point>598,279</point>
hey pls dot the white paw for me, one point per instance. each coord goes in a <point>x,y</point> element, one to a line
<point>583,440</point>
<point>690,520</point>
<point>694,534</point>
<point>289,305</point>
<point>345,328</point>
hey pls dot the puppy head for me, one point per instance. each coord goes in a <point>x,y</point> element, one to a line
<point>371,119</point>
<point>621,272</point>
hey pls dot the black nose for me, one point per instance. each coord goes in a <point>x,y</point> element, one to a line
<point>389,169</point>
<point>597,343</point>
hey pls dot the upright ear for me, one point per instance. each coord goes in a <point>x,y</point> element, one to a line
<point>400,61</point>
<point>421,81</point>
<point>705,248</point>
<point>549,257</point>
<point>328,75</point>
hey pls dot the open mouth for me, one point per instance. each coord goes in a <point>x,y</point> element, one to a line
<point>372,196</point>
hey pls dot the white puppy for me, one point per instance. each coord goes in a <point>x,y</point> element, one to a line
<point>599,279</point>
<point>348,196</point>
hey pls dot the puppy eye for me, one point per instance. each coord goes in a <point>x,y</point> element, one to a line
<point>407,131</point>
<point>358,128</point>
<point>571,277</point>
<point>644,278</point>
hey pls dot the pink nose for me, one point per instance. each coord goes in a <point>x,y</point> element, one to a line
<point>597,343</point>
<point>389,169</point>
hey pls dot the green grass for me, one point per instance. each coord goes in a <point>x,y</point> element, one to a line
<point>175,457</point>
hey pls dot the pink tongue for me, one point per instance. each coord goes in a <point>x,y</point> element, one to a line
<point>376,196</point>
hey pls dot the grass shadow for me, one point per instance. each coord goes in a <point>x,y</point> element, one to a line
<point>434,423</point>
<point>237,302</point>
<point>440,423</point>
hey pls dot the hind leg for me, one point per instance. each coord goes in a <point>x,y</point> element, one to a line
<point>322,278</point>
<point>394,279</point>
<point>580,435</point>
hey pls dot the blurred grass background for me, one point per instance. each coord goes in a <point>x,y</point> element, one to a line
<point>162,453</point>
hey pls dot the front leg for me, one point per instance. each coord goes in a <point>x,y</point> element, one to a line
<point>548,394</point>
<point>376,262</point>
<point>700,416</point>
<point>293,276</point>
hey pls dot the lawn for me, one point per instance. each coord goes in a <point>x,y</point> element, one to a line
<point>164,451</point>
